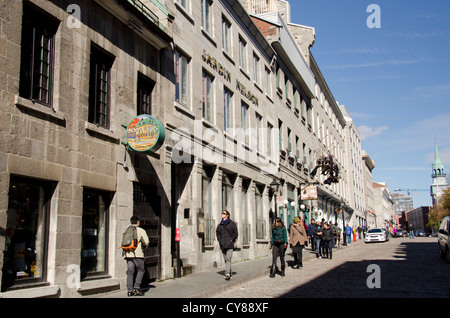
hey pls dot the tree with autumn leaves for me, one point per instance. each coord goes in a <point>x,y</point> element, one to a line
<point>440,210</point>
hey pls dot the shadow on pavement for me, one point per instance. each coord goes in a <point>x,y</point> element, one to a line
<point>416,270</point>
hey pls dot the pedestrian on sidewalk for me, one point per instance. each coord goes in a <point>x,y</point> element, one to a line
<point>311,234</point>
<point>227,234</point>
<point>348,233</point>
<point>297,239</point>
<point>327,238</point>
<point>278,244</point>
<point>135,260</point>
<point>359,230</point>
<point>317,238</point>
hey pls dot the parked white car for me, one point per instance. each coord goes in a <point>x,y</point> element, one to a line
<point>375,235</point>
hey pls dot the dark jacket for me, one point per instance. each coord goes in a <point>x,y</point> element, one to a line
<point>226,233</point>
<point>311,229</point>
<point>327,234</point>
<point>318,229</point>
<point>279,233</point>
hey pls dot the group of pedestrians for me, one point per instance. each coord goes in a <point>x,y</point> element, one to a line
<point>323,237</point>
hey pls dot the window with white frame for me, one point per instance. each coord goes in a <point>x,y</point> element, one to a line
<point>181,78</point>
<point>269,139</point>
<point>255,68</point>
<point>259,132</point>
<point>206,16</point>
<point>207,96</point>
<point>268,82</point>
<point>227,109</point>
<point>183,3</point>
<point>226,35</point>
<point>245,122</point>
<point>242,54</point>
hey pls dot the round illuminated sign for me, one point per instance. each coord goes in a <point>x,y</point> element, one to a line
<point>145,134</point>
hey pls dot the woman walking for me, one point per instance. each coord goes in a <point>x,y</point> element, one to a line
<point>278,245</point>
<point>297,239</point>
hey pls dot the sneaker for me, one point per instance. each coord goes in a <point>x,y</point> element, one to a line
<point>227,276</point>
<point>130,293</point>
<point>138,292</point>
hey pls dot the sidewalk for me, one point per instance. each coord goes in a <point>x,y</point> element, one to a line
<point>208,283</point>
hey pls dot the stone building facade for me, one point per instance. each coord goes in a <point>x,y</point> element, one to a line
<point>244,115</point>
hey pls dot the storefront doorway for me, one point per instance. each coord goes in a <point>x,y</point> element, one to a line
<point>147,205</point>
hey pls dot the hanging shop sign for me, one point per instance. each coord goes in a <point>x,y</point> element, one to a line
<point>309,192</point>
<point>145,134</point>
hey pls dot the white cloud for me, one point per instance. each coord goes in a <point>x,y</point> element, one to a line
<point>373,64</point>
<point>369,132</point>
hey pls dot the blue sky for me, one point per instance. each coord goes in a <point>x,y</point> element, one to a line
<point>393,80</point>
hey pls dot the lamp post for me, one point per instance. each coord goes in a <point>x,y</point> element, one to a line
<point>344,240</point>
<point>274,186</point>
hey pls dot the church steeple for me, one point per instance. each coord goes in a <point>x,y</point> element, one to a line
<point>438,177</point>
<point>438,166</point>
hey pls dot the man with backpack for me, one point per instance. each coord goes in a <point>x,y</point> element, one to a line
<point>134,242</point>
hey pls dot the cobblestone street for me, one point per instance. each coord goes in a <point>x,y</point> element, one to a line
<point>407,268</point>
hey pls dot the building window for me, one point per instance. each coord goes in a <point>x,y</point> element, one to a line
<point>228,192</point>
<point>242,54</point>
<point>183,3</point>
<point>245,122</point>
<point>268,83</point>
<point>227,109</point>
<point>99,87</point>
<point>94,239</point>
<point>226,35</point>
<point>206,15</point>
<point>181,78</point>
<point>207,96</point>
<point>280,134</point>
<point>144,94</point>
<point>269,139</point>
<point>259,132</point>
<point>207,175</point>
<point>260,222</point>
<point>37,56</point>
<point>256,69</point>
<point>26,234</point>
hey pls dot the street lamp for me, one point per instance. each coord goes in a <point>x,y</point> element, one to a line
<point>344,241</point>
<point>275,186</point>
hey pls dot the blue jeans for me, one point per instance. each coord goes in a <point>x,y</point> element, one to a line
<point>349,239</point>
<point>317,240</point>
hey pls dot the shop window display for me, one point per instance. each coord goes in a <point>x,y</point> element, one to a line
<point>94,233</point>
<point>26,232</point>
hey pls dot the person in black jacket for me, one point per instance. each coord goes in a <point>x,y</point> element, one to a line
<point>227,234</point>
<point>327,239</point>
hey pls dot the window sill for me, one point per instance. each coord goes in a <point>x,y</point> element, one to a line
<point>35,292</point>
<point>39,108</point>
<point>103,133</point>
